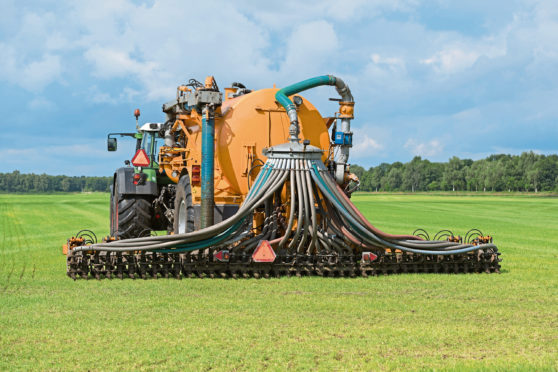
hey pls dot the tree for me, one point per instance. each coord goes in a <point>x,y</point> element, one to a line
<point>453,174</point>
<point>393,179</point>
<point>493,175</point>
<point>18,182</point>
<point>65,184</point>
<point>413,174</point>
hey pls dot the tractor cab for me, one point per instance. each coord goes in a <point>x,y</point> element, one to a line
<point>151,141</point>
<point>147,139</point>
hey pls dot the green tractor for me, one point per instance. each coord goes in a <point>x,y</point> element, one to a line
<point>141,199</point>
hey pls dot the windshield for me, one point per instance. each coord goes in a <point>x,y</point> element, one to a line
<point>151,143</point>
<point>146,142</point>
<point>158,143</point>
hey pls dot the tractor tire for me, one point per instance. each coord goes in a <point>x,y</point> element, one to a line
<point>131,215</point>
<point>183,207</point>
<point>113,227</point>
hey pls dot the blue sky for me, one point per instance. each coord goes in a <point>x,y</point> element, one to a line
<point>430,78</point>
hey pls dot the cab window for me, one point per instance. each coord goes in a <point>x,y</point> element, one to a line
<point>151,143</point>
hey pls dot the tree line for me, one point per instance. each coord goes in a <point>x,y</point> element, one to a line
<point>525,172</point>
<point>19,182</point>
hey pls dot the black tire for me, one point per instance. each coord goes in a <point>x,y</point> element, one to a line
<point>113,227</point>
<point>131,215</point>
<point>183,207</point>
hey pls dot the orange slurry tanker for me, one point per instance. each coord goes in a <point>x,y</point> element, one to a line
<point>253,184</point>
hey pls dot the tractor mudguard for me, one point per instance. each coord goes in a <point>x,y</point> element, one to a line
<point>125,178</point>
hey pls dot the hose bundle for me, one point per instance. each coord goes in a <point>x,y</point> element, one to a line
<point>314,217</point>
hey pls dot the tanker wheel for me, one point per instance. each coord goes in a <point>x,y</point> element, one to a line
<point>183,207</point>
<point>131,215</point>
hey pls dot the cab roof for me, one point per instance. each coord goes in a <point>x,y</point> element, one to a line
<point>151,127</point>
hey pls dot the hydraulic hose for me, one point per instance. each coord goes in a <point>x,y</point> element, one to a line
<point>291,211</point>
<point>311,204</point>
<point>223,230</point>
<point>215,229</point>
<point>365,233</point>
<point>349,207</point>
<point>352,208</point>
<point>327,222</point>
<point>358,228</point>
<point>305,207</point>
<point>299,206</point>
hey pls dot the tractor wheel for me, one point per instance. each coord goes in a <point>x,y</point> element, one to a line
<point>131,215</point>
<point>113,228</point>
<point>183,207</point>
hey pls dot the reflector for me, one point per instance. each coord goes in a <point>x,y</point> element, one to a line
<point>368,256</point>
<point>141,159</point>
<point>264,252</point>
<point>196,174</point>
<point>222,256</point>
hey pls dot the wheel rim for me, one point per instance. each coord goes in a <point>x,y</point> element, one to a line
<point>182,217</point>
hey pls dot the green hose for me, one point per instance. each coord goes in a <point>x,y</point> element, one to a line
<point>363,232</point>
<point>188,247</point>
<point>282,96</point>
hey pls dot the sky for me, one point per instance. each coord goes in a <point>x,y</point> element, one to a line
<point>430,78</point>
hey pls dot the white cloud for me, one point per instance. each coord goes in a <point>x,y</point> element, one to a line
<point>291,13</point>
<point>7,60</point>
<point>110,63</point>
<point>452,60</point>
<point>466,52</point>
<point>144,46</point>
<point>309,48</point>
<point>95,95</point>
<point>425,149</point>
<point>29,49</point>
<point>407,72</point>
<point>41,103</point>
<point>454,53</point>
<point>38,74</point>
<point>391,63</point>
<point>364,147</point>
<point>383,69</point>
<point>32,76</point>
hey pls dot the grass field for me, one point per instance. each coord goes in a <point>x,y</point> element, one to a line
<point>477,321</point>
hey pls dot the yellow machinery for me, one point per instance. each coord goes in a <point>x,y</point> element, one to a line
<point>244,126</point>
<point>255,183</point>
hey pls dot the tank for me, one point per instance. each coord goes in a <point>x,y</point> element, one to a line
<point>244,126</point>
<point>253,122</point>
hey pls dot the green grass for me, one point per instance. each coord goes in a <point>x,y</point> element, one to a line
<point>476,321</point>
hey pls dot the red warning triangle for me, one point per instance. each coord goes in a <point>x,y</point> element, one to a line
<point>264,252</point>
<point>222,256</point>
<point>368,256</point>
<point>141,159</point>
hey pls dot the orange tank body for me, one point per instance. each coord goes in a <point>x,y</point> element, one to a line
<point>244,126</point>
